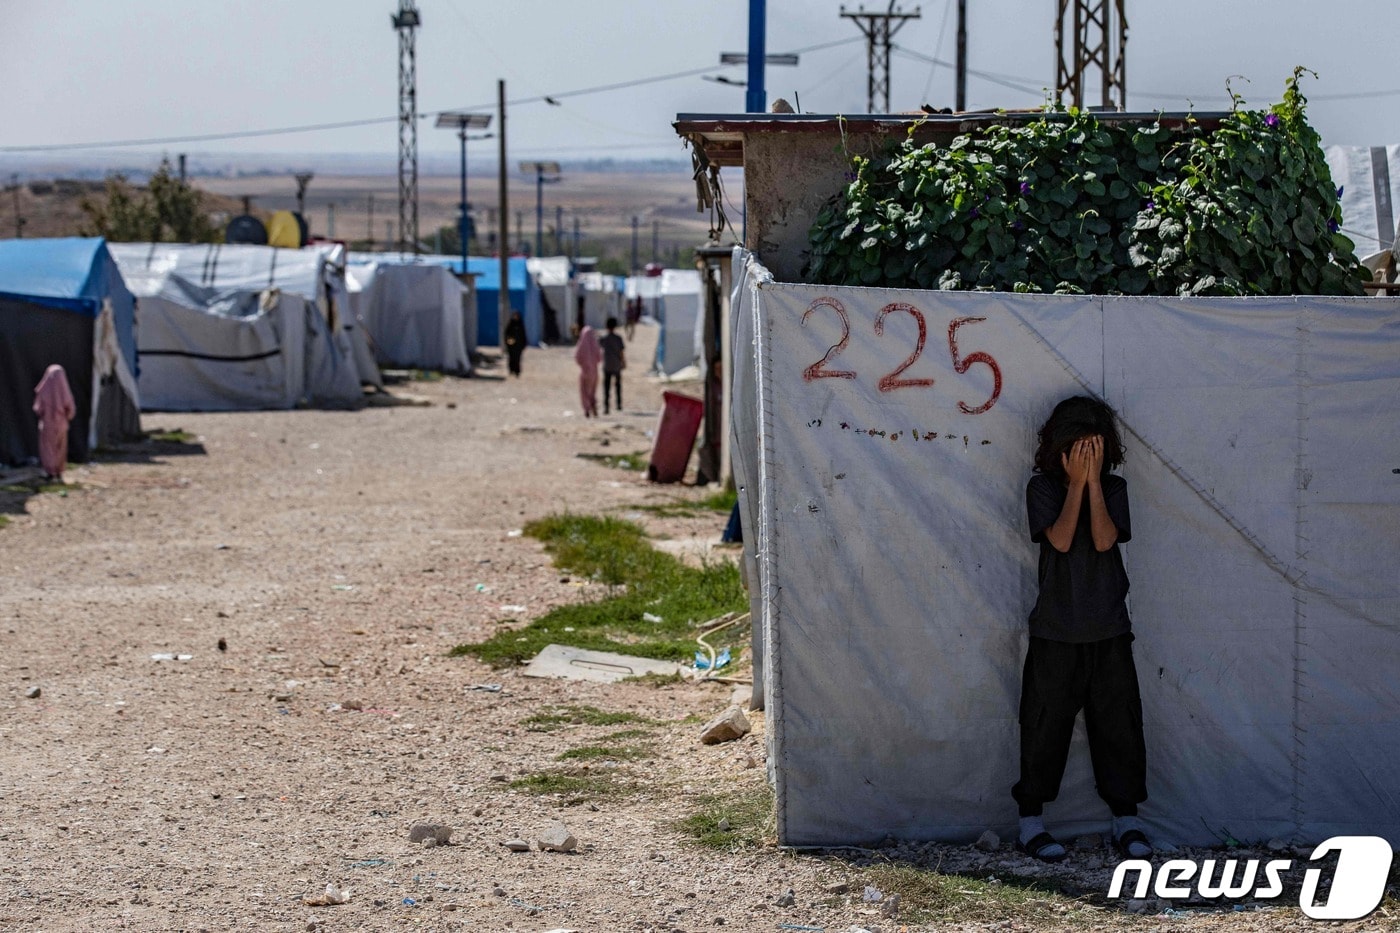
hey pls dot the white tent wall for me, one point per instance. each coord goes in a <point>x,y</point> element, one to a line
<point>413,314</point>
<point>238,354</point>
<point>1265,558</point>
<point>679,343</point>
<point>216,273</point>
<point>551,275</point>
<point>468,298</point>
<point>1369,177</point>
<point>602,299</point>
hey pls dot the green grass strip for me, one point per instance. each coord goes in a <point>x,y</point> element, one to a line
<point>644,584</point>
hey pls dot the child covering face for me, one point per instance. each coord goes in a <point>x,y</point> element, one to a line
<point>1080,654</point>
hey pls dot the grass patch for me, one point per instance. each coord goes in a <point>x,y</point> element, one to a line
<point>551,718</point>
<point>743,819</point>
<point>574,787</point>
<point>632,461</point>
<point>722,501</point>
<point>4,520</point>
<point>644,584</point>
<point>177,436</point>
<point>927,896</point>
<point>426,375</point>
<point>607,752</point>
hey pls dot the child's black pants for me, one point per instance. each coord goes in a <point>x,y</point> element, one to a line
<point>1098,677</point>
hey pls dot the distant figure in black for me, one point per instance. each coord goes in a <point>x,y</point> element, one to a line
<point>515,342</point>
<point>1080,654</point>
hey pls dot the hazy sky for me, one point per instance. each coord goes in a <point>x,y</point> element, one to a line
<point>81,71</point>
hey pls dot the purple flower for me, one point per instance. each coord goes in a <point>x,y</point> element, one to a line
<point>976,212</point>
<point>1025,187</point>
<point>1271,120</point>
<point>1017,225</point>
<point>1340,189</point>
<point>1150,206</point>
<point>1332,226</point>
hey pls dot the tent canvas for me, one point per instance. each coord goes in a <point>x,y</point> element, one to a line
<point>524,297</point>
<point>64,301</point>
<point>602,297</point>
<point>678,310</point>
<point>1265,587</point>
<point>552,277</point>
<point>413,312</point>
<point>1369,179</point>
<point>231,328</point>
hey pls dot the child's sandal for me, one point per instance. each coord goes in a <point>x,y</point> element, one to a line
<point>1037,845</point>
<point>1125,841</point>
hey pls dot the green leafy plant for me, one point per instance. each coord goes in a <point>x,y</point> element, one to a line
<point>1069,204</point>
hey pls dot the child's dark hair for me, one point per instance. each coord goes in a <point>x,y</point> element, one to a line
<point>1072,419</point>
<point>612,323</point>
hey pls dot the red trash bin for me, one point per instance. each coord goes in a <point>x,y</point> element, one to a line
<point>675,438</point>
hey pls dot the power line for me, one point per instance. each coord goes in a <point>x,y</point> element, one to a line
<point>984,75</point>
<point>372,121</point>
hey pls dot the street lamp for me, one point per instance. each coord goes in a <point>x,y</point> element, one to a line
<point>461,122</point>
<point>541,169</point>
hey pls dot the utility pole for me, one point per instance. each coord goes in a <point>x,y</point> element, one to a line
<point>182,168</point>
<point>879,29</point>
<point>634,244</point>
<point>19,221</point>
<point>503,293</point>
<point>756,95</point>
<point>1098,39</point>
<point>576,239</point>
<point>961,96</point>
<point>303,179</point>
<point>406,22</point>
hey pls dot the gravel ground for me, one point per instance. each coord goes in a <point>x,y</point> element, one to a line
<point>315,567</point>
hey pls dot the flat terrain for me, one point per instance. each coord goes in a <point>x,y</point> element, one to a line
<point>240,646</point>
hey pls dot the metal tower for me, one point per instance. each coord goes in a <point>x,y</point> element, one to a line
<point>1098,38</point>
<point>878,29</point>
<point>406,21</point>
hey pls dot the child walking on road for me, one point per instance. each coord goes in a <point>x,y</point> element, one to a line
<point>1080,654</point>
<point>614,362</point>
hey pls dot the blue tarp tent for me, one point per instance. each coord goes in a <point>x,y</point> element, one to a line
<point>524,297</point>
<point>64,301</point>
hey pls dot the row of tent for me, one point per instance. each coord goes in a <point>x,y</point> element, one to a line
<point>245,327</point>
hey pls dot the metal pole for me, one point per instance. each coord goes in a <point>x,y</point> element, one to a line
<point>634,244</point>
<point>756,96</point>
<point>504,295</point>
<point>961,104</point>
<point>539,210</point>
<point>462,223</point>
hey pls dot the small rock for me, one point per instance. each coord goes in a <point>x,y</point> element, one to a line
<point>499,778</point>
<point>557,838</point>
<point>436,831</point>
<point>1137,905</point>
<point>786,899</point>
<point>352,704</point>
<point>498,891</point>
<point>516,845</point>
<point>988,841</point>
<point>430,843</point>
<point>1090,841</point>
<point>891,906</point>
<point>749,763</point>
<point>723,825</point>
<point>781,106</point>
<point>840,887</point>
<point>726,727</point>
<point>33,693</point>
<point>1277,845</point>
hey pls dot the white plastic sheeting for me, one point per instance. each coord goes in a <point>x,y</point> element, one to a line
<point>895,572</point>
<point>231,328</point>
<point>1369,178</point>
<point>414,314</point>
<point>678,310</point>
<point>602,298</point>
<point>551,274</point>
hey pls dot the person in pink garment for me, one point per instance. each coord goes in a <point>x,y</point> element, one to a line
<point>53,403</point>
<point>588,354</point>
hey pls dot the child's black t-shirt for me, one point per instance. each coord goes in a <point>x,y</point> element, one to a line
<point>1082,591</point>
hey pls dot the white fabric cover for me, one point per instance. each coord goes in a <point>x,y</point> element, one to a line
<point>602,299</point>
<point>679,343</point>
<point>896,572</point>
<point>197,316</point>
<point>414,314</point>
<point>1354,171</point>
<point>551,274</point>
